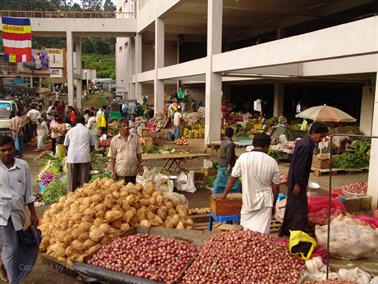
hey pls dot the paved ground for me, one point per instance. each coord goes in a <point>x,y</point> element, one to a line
<point>46,273</point>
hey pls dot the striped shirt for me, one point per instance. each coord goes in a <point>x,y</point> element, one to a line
<point>258,172</point>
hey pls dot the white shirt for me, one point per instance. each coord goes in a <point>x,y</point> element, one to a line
<point>49,113</point>
<point>176,119</point>
<point>33,114</point>
<point>16,191</point>
<point>79,139</point>
<point>42,128</point>
<point>258,171</point>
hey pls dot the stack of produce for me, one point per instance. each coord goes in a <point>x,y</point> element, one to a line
<point>194,131</point>
<point>159,121</point>
<point>243,257</point>
<point>46,177</point>
<point>53,166</point>
<point>199,211</point>
<point>358,158</point>
<point>181,141</point>
<point>43,158</point>
<point>98,212</point>
<point>54,190</point>
<point>151,257</point>
<point>356,188</point>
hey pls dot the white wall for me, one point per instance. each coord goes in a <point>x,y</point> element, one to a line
<point>123,68</point>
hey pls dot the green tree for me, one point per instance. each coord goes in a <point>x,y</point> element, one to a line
<point>101,47</point>
<point>94,5</point>
<point>109,6</point>
<point>87,45</point>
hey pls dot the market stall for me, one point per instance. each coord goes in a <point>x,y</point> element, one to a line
<point>173,161</point>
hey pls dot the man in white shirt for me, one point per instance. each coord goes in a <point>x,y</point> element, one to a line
<point>33,115</point>
<point>260,185</point>
<point>80,142</point>
<point>176,123</point>
<point>16,192</point>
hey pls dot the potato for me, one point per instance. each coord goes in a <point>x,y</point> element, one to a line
<point>84,227</point>
<point>169,204</point>
<point>117,224</point>
<point>180,225</point>
<point>77,245</point>
<point>125,227</point>
<point>96,234</point>
<point>145,223</point>
<point>83,237</point>
<point>128,216</point>
<point>113,215</point>
<point>162,212</point>
<point>89,243</point>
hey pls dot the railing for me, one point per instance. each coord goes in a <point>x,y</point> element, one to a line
<point>66,14</point>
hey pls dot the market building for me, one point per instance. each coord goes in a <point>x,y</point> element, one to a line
<point>307,50</point>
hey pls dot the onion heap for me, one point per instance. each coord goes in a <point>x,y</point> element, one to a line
<point>243,257</point>
<point>151,257</point>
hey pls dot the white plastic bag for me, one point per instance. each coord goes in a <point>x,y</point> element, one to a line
<point>349,239</point>
<point>207,164</point>
<point>356,275</point>
<point>177,198</point>
<point>186,182</point>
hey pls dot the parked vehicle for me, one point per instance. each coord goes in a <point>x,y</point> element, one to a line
<point>7,110</point>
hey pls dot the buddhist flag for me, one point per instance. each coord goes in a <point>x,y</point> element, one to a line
<point>17,39</point>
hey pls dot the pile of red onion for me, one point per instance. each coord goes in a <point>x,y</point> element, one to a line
<point>151,257</point>
<point>329,282</point>
<point>356,188</point>
<point>243,257</point>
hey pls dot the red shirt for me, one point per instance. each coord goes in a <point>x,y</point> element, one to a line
<point>72,116</point>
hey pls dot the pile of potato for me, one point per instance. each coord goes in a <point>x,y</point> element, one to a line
<point>79,223</point>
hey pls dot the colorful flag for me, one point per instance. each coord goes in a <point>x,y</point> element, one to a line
<point>17,39</point>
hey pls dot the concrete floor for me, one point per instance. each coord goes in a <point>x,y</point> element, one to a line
<point>46,273</point>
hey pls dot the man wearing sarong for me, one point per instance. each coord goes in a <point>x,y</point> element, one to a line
<point>260,185</point>
<point>296,214</point>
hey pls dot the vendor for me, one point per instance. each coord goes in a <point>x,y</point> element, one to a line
<point>227,160</point>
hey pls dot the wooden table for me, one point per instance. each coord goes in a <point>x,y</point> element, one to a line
<point>177,160</point>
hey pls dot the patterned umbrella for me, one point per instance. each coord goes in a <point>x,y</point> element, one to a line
<point>326,113</point>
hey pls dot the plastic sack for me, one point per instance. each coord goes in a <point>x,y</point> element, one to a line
<point>356,274</point>
<point>207,163</point>
<point>349,239</point>
<point>177,198</point>
<point>318,209</point>
<point>186,182</point>
<point>371,221</point>
<point>280,210</point>
<point>301,244</point>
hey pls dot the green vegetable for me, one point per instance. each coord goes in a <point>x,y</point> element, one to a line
<point>166,148</point>
<point>54,190</point>
<point>273,154</point>
<point>209,181</point>
<point>355,159</point>
<point>150,149</point>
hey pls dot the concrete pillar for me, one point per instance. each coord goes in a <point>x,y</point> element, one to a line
<point>213,89</point>
<point>159,63</point>
<point>79,81</point>
<point>138,65</point>
<point>367,108</point>
<point>278,99</point>
<point>70,69</point>
<point>373,166</point>
<point>131,61</point>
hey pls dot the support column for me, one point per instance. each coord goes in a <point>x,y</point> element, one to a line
<point>367,108</point>
<point>138,65</point>
<point>213,90</point>
<point>131,61</point>
<point>373,166</point>
<point>79,81</point>
<point>278,99</point>
<point>159,63</point>
<point>70,71</point>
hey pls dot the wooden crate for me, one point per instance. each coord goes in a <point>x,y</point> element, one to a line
<point>144,132</point>
<point>228,206</point>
